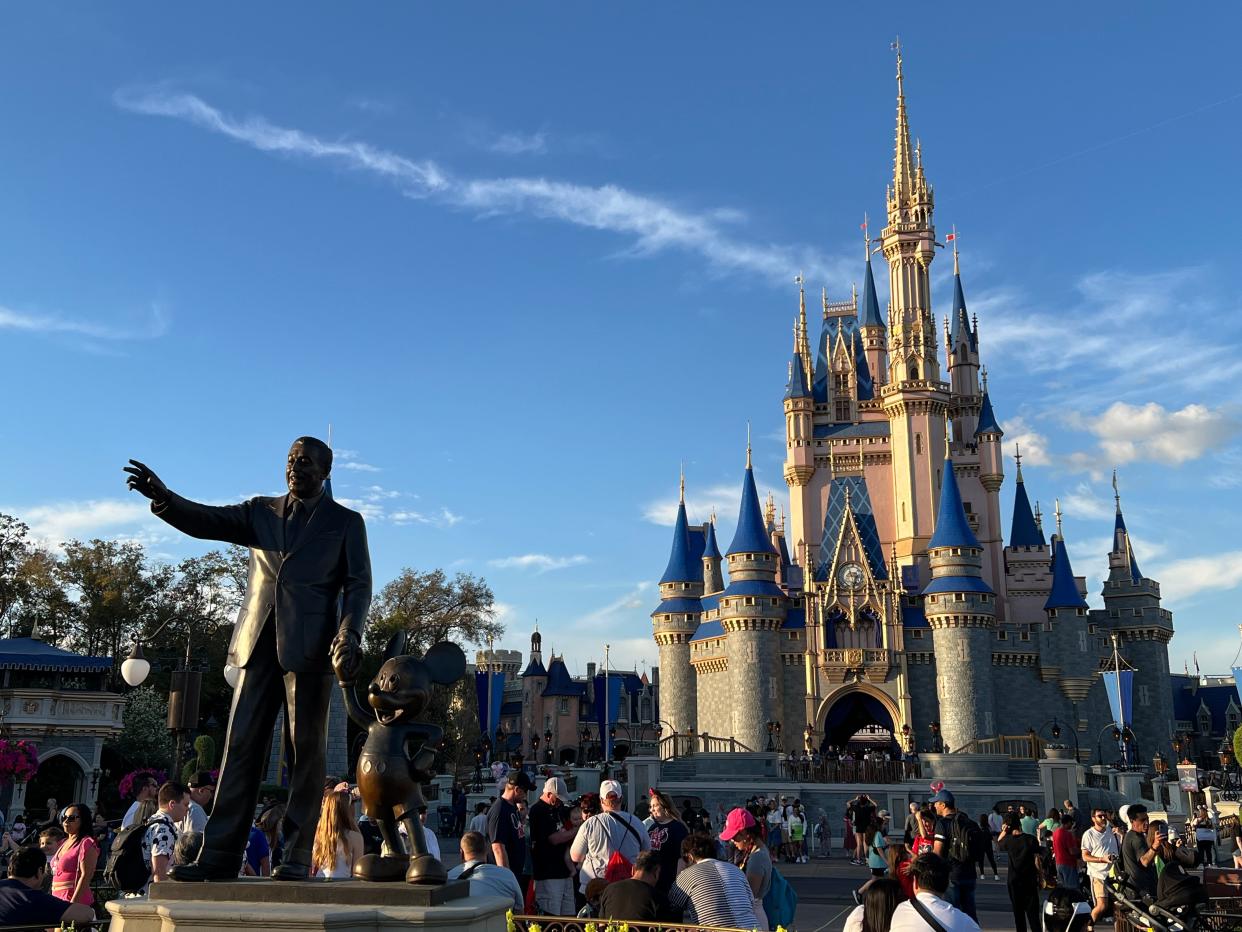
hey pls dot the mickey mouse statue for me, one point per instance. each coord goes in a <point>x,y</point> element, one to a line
<point>398,756</point>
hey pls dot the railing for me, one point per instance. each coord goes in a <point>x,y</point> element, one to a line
<point>857,771</point>
<point>1018,747</point>
<point>685,745</point>
<point>571,924</point>
<point>1099,781</point>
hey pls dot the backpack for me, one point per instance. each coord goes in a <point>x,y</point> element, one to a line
<point>780,902</point>
<point>126,869</point>
<point>619,867</point>
<point>967,842</point>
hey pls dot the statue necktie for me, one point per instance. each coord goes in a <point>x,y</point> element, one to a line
<point>294,523</point>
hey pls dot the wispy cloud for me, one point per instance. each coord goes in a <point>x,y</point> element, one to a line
<point>652,225</point>
<point>1085,502</point>
<point>1032,443</point>
<point>539,562</point>
<point>56,523</point>
<point>1181,580</point>
<point>348,459</point>
<point>156,325</point>
<point>1152,433</point>
<point>520,143</point>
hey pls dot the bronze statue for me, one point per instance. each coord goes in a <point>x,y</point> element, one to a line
<point>397,759</point>
<point>306,602</point>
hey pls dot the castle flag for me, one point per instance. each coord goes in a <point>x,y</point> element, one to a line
<point>490,688</point>
<point>613,706</point>
<point>1120,698</point>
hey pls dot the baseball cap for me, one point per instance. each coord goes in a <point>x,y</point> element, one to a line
<point>520,779</point>
<point>610,788</point>
<point>202,778</point>
<point>944,796</point>
<point>882,814</point>
<point>556,786</point>
<point>737,820</point>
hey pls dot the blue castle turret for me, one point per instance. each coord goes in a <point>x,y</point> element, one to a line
<point>676,618</point>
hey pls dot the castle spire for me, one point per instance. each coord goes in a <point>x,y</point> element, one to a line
<point>1064,592</point>
<point>1122,554</point>
<point>1024,531</point>
<point>903,165</point>
<point>681,566</point>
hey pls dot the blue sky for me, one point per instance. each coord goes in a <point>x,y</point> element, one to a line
<point>528,258</point>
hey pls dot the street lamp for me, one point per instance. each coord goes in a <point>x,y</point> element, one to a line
<point>937,741</point>
<point>771,729</point>
<point>779,744</point>
<point>586,737</point>
<point>547,744</point>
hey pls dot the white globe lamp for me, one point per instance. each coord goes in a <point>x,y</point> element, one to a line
<point>135,667</point>
<point>231,675</point>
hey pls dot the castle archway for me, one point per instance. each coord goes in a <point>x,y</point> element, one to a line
<point>859,716</point>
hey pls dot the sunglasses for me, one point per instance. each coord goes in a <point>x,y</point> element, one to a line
<point>70,818</point>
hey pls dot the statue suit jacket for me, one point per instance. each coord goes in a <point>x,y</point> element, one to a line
<point>320,586</point>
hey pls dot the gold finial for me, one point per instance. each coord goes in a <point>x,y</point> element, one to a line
<point>1017,456</point>
<point>957,270</point>
<point>1116,491</point>
<point>1058,514</point>
<point>823,296</point>
<point>984,373</point>
<point>866,238</point>
<point>948,436</point>
<point>1039,517</point>
<point>713,517</point>
<point>918,153</point>
<point>903,170</point>
<point>748,444</point>
<point>782,519</point>
<point>683,483</point>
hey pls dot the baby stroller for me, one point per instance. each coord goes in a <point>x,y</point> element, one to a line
<point>1066,911</point>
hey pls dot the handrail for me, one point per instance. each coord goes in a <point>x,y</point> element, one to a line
<point>685,745</point>
<point>574,924</point>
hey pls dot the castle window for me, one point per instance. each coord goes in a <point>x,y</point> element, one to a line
<point>1231,719</point>
<point>916,634</point>
<point>1205,719</point>
<point>918,441</point>
<point>1024,636</point>
<point>750,600</point>
<point>966,508</point>
<point>914,372</point>
<point>771,687</point>
<point>1092,629</point>
<point>562,706</point>
<point>1082,641</point>
<point>1002,635</point>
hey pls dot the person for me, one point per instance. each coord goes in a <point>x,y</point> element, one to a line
<point>478,822</point>
<point>1174,887</point>
<point>1023,851</point>
<point>506,832</point>
<point>49,843</point>
<point>776,829</point>
<point>1029,822</point>
<point>931,881</point>
<point>550,838</point>
<point>611,831</point>
<point>950,824</point>
<point>1138,858</point>
<point>338,843</point>
<point>429,836</point>
<point>73,865</point>
<point>875,912</point>
<point>591,896</point>
<point>1065,852</point>
<point>1205,836</point>
<point>459,809</point>
<point>861,812</point>
<point>985,850</point>
<point>1080,821</point>
<point>711,892</point>
<point>188,845</point>
<point>667,832</point>
<point>795,830</point>
<point>925,836</point>
<point>876,844</point>
<point>269,821</point>
<point>307,597</point>
<point>637,899</point>
<point>144,787</point>
<point>161,835</point>
<point>912,824</point>
<point>258,853</point>
<point>18,828</point>
<point>743,831</point>
<point>202,792</point>
<point>1099,849</point>
<point>485,879</point>
<point>23,902</point>
<point>1050,824</point>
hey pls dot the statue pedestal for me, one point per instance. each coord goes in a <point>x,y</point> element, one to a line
<point>339,905</point>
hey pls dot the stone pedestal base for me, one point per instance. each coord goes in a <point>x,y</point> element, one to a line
<point>340,905</point>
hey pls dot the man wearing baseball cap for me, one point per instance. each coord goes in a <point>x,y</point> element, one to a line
<point>613,831</point>
<point>202,792</point>
<point>550,836</point>
<point>951,825</point>
<point>506,832</point>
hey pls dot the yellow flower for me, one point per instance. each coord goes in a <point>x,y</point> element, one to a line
<point>534,927</point>
<point>510,925</point>
<point>590,927</point>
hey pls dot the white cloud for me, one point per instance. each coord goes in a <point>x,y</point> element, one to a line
<point>1128,433</point>
<point>359,467</point>
<point>1033,444</point>
<point>1085,502</point>
<point>722,499</point>
<point>623,612</point>
<point>54,524</point>
<point>520,143</point>
<point>652,225</point>
<point>155,326</point>
<point>1182,579</point>
<point>539,562</point>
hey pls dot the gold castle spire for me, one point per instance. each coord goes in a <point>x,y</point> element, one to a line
<point>802,341</point>
<point>903,162</point>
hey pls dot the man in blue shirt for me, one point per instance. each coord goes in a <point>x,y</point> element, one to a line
<point>22,900</point>
<point>485,879</point>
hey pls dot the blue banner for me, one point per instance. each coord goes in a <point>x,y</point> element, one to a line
<point>1120,700</point>
<point>490,689</point>
<point>611,707</point>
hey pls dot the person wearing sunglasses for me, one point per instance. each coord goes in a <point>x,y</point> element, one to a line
<point>73,865</point>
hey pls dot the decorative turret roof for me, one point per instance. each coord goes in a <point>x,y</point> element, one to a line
<point>560,683</point>
<point>751,535</point>
<point>710,549</point>
<point>820,385</point>
<point>682,567</point>
<point>869,313</point>
<point>1121,537</point>
<point>796,386</point>
<point>1064,592</point>
<point>962,332</point>
<point>1024,532</point>
<point>987,419</point>
<point>535,667</point>
<point>952,528</point>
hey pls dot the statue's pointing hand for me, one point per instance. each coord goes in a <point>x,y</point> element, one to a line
<point>143,481</point>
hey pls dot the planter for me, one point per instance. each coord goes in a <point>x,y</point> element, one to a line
<point>1059,753</point>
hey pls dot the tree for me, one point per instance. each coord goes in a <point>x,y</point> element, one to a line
<point>430,608</point>
<point>144,741</point>
<point>43,601</point>
<point>15,547</point>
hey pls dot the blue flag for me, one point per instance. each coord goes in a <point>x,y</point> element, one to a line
<point>1120,702</point>
<point>612,706</point>
<point>490,688</point>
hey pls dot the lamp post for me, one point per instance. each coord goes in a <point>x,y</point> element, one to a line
<point>478,770</point>
<point>1055,731</point>
<point>585,735</point>
<point>771,744</point>
<point>937,741</point>
<point>547,744</point>
<point>184,688</point>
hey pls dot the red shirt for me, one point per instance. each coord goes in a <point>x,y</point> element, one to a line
<point>1065,847</point>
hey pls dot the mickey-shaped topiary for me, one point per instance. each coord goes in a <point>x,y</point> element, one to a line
<point>398,756</point>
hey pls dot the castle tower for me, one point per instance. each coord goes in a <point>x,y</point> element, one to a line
<point>799,418</point>
<point>1027,561</point>
<point>959,606</point>
<point>1145,629</point>
<point>962,349</point>
<point>871,324</point>
<point>751,612</point>
<point>987,442</point>
<point>915,400</point>
<point>1065,649</point>
<point>713,582</point>
<point>675,620</point>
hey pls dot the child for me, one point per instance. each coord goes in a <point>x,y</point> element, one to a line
<point>594,890</point>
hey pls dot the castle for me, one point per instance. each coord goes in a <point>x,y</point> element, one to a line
<point>891,604</point>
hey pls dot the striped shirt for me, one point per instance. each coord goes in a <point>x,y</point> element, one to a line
<point>714,893</point>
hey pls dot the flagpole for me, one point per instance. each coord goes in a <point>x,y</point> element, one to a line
<point>487,730</point>
<point>605,742</point>
<point>1121,708</point>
